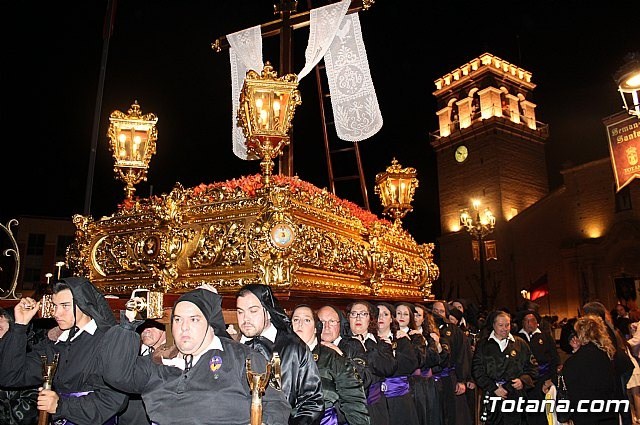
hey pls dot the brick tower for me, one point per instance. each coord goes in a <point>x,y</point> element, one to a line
<point>489,147</point>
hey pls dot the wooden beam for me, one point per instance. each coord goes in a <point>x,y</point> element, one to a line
<point>296,20</point>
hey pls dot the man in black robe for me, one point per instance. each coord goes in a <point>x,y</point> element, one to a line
<point>205,382</point>
<point>265,326</point>
<point>543,348</point>
<point>79,395</point>
<point>456,372</point>
<point>154,337</point>
<point>344,398</point>
<point>504,368</point>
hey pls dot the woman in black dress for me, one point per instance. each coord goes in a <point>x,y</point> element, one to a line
<point>589,373</point>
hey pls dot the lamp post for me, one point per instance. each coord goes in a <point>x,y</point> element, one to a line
<point>267,106</point>
<point>479,226</point>
<point>628,80</point>
<point>132,139</point>
<point>396,187</point>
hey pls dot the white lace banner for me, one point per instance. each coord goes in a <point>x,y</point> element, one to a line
<point>323,25</point>
<point>245,53</point>
<point>355,105</point>
<point>335,36</point>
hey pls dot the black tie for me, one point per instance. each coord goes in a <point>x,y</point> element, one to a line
<point>188,362</point>
<point>261,345</point>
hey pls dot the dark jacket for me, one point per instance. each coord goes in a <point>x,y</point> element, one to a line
<point>79,366</point>
<point>300,378</point>
<point>490,365</point>
<point>543,348</point>
<point>214,391</point>
<point>598,384</point>
<point>341,386</point>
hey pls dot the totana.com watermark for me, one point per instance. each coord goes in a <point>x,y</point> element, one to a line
<point>522,405</point>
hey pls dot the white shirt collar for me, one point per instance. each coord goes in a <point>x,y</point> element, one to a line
<point>405,329</point>
<point>387,336</point>
<point>270,333</point>
<point>368,336</point>
<point>90,327</point>
<point>313,344</point>
<point>337,341</point>
<point>502,343</point>
<point>178,361</point>
<point>537,331</point>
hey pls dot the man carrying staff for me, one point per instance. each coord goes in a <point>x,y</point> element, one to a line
<point>205,383</point>
<point>79,394</point>
<point>265,327</point>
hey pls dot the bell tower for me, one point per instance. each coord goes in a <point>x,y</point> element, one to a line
<point>490,147</point>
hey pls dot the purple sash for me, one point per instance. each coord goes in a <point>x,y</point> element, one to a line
<point>111,421</point>
<point>396,386</point>
<point>375,393</point>
<point>543,368</point>
<point>426,373</point>
<point>330,417</point>
<point>444,373</point>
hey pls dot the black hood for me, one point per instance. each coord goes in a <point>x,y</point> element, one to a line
<point>210,304</point>
<point>279,318</point>
<point>90,301</point>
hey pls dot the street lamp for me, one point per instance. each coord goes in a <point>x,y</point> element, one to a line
<point>479,226</point>
<point>628,80</point>
<point>267,106</point>
<point>132,140</point>
<point>396,187</point>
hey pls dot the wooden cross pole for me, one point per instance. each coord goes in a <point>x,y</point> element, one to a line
<point>284,27</point>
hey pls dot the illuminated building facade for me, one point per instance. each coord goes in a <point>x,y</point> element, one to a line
<point>490,147</point>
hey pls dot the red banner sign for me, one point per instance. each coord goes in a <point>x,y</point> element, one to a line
<point>624,146</point>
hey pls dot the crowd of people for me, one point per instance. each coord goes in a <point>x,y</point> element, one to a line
<point>435,363</point>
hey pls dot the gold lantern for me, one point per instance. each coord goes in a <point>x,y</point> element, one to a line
<point>628,80</point>
<point>133,142</point>
<point>267,106</point>
<point>396,187</point>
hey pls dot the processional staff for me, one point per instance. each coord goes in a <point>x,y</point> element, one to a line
<point>258,384</point>
<point>48,371</point>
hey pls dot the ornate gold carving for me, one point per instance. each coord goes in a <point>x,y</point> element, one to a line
<point>220,244</point>
<point>293,236</point>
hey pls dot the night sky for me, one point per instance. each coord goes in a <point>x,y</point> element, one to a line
<point>160,55</point>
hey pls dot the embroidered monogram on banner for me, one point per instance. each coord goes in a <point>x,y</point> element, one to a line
<point>355,106</point>
<point>335,36</point>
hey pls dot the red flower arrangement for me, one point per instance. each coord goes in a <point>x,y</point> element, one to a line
<point>249,185</point>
